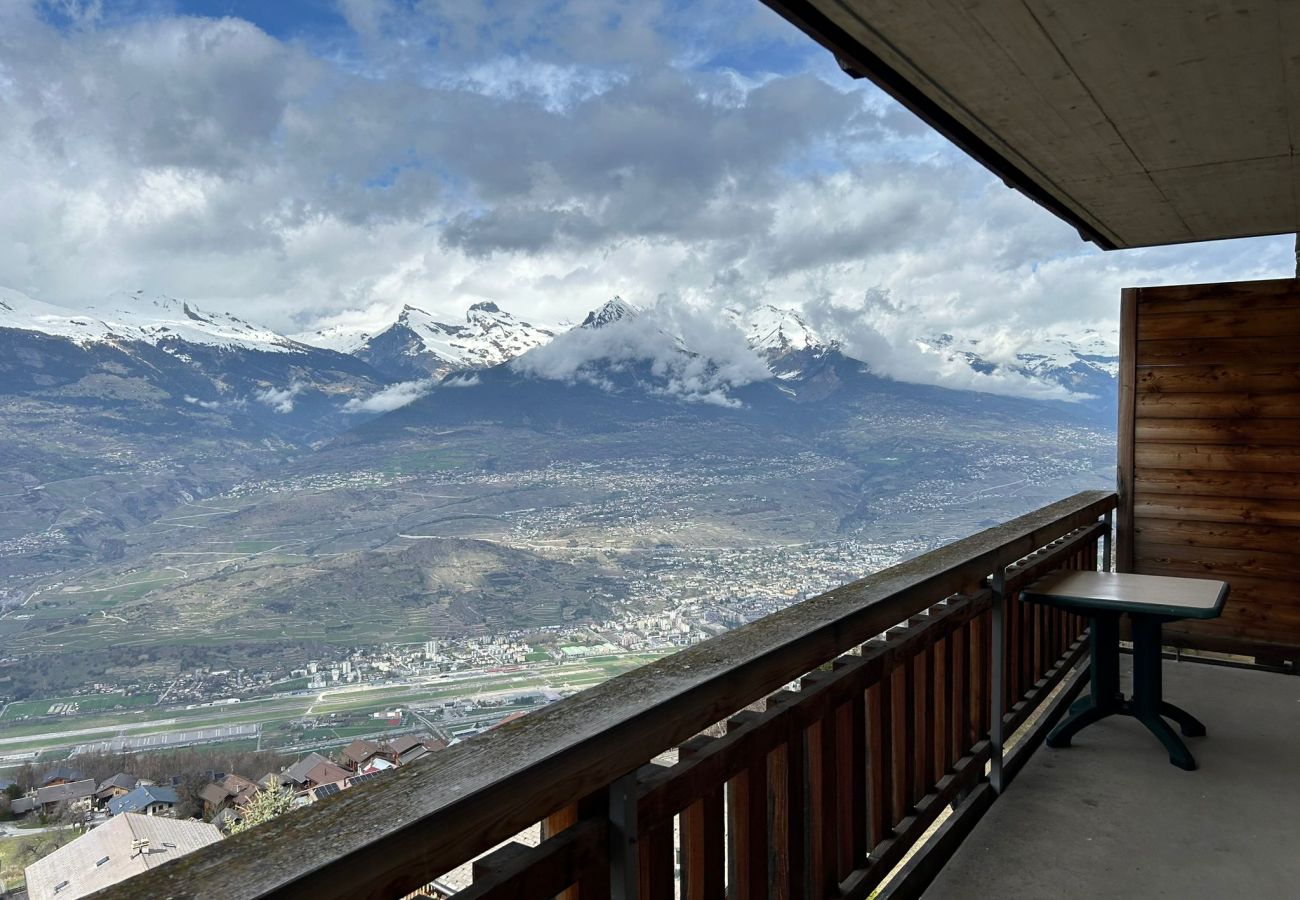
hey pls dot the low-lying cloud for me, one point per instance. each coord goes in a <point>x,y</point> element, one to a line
<point>682,353</point>
<point>395,396</point>
<point>280,399</point>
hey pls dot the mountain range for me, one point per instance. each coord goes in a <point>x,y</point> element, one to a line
<point>141,362</point>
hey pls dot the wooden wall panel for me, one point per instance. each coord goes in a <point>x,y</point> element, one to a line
<point>1209,453</point>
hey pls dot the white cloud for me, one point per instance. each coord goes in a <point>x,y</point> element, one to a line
<point>395,396</point>
<point>280,399</point>
<point>669,349</point>
<point>297,181</point>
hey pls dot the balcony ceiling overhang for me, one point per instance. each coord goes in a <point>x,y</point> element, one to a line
<point>1140,123</point>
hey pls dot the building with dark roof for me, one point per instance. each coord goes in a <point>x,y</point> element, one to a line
<point>147,799</point>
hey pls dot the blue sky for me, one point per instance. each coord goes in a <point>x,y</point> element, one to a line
<point>312,163</point>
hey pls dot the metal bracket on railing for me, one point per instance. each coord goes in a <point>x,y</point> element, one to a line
<point>623,851</point>
<point>997,689</point>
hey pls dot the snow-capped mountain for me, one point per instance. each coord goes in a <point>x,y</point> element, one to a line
<point>609,312</point>
<point>152,362</point>
<point>136,316</point>
<point>774,332</point>
<point>1086,363</point>
<point>417,345</point>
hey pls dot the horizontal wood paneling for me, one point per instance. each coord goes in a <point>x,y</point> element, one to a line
<point>1278,293</point>
<point>1221,562</point>
<point>1260,432</point>
<point>1240,458</point>
<point>1218,405</point>
<point>1282,320</point>
<point>1200,351</point>
<point>1216,509</point>
<point>1189,482</point>
<point>1226,535</point>
<point>1246,378</point>
<point>1213,475</point>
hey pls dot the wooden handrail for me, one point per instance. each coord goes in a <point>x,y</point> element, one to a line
<point>389,837</point>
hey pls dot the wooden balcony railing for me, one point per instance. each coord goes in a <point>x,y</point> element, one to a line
<point>853,721</point>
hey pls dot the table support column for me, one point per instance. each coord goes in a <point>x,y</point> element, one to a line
<point>1148,705</point>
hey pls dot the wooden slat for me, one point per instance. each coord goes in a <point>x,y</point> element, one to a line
<point>923,726</point>
<point>1281,320</point>
<point>943,706</point>
<point>852,759</point>
<point>1225,535</point>
<point>1248,485</point>
<point>1267,351</point>
<point>1203,456</point>
<point>903,682</point>
<point>702,827</point>
<point>787,810</point>
<point>747,829</point>
<point>1260,432</point>
<point>820,791</point>
<point>1270,294</point>
<point>1222,562</point>
<point>655,865</point>
<point>1217,405</point>
<point>880,758</point>
<point>1217,509</point>
<point>1243,376</point>
<point>960,641</point>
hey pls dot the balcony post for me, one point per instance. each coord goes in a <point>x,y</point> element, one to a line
<point>997,690</point>
<point>624,878</point>
<point>1105,542</point>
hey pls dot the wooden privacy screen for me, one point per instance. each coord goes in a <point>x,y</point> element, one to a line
<point>1209,453</point>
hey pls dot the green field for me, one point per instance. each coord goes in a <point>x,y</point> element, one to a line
<point>16,853</point>
<point>86,704</point>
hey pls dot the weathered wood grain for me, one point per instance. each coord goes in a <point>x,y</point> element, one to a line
<point>1282,319</point>
<point>1218,405</point>
<point>1241,377</point>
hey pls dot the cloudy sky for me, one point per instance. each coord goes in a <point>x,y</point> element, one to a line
<point>307,163</point>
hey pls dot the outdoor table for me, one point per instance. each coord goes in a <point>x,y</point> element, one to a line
<point>1150,600</point>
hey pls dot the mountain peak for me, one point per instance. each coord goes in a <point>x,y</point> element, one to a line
<point>485,306</point>
<point>775,332</point>
<point>609,312</point>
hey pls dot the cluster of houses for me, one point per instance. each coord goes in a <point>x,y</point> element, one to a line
<point>139,814</point>
<point>314,777</point>
<point>69,789</point>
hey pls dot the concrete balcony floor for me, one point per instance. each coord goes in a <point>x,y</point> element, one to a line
<point>1110,817</point>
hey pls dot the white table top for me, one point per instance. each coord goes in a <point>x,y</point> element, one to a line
<point>1183,598</point>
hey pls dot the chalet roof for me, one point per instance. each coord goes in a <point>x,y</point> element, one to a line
<point>22,805</point>
<point>297,773</point>
<point>408,741</point>
<point>360,750</point>
<point>213,793</point>
<point>1138,123</point>
<point>120,781</point>
<point>104,855</point>
<point>142,797</point>
<point>61,793</point>
<point>326,773</point>
<point>63,773</point>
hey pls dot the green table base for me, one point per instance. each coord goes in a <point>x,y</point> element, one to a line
<point>1146,704</point>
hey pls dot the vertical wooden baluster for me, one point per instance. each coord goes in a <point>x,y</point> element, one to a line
<point>787,812</point>
<point>593,882</point>
<point>747,825</point>
<point>655,867</point>
<point>903,683</point>
<point>979,698</point>
<point>1039,638</point>
<point>943,705</point>
<point>923,702</point>
<point>703,853</point>
<point>880,764</point>
<point>821,789</point>
<point>960,689</point>
<point>851,755</point>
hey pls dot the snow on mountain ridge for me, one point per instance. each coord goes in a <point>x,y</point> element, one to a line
<point>136,316</point>
<point>775,332</point>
